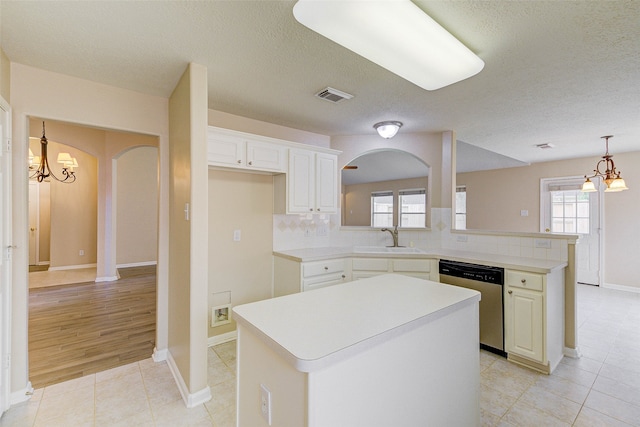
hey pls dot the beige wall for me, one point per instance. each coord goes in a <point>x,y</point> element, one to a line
<point>137,206</point>
<point>428,147</point>
<point>5,76</point>
<point>39,93</point>
<point>188,254</point>
<point>495,199</point>
<point>239,271</point>
<point>257,127</point>
<point>74,207</point>
<point>357,198</point>
<point>45,221</point>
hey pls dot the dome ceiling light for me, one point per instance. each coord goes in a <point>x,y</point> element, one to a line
<point>388,129</point>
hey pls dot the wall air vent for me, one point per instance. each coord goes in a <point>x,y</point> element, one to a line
<point>545,146</point>
<point>333,95</point>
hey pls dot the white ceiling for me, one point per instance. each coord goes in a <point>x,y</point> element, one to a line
<point>556,72</point>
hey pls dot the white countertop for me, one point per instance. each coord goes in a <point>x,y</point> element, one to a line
<point>312,330</point>
<point>533,265</point>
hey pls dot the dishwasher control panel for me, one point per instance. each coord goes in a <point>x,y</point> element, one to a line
<point>481,273</point>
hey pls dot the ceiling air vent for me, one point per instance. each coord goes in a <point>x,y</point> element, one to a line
<point>545,146</point>
<point>333,95</point>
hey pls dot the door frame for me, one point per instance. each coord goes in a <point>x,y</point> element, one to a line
<point>545,210</point>
<point>6,256</point>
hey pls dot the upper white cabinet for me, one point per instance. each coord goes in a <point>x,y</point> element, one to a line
<point>311,183</point>
<point>235,150</point>
<point>305,177</point>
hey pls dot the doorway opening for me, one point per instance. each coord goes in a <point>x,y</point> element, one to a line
<point>78,324</point>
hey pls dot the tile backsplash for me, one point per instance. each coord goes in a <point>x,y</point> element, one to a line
<point>317,231</point>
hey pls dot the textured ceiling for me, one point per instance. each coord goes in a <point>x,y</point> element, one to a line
<point>556,72</point>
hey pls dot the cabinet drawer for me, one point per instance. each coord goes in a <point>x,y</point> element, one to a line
<point>322,281</point>
<point>322,267</point>
<point>412,265</point>
<point>522,279</point>
<point>370,264</point>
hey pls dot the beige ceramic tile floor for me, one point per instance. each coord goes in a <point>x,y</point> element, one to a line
<point>600,389</point>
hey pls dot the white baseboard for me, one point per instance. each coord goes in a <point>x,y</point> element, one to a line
<point>72,267</point>
<point>222,338</point>
<point>572,352</point>
<point>137,264</point>
<point>159,355</point>
<point>106,279</point>
<point>626,288</point>
<point>21,395</point>
<point>191,400</point>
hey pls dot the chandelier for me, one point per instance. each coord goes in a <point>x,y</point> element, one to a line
<point>40,164</point>
<point>610,176</point>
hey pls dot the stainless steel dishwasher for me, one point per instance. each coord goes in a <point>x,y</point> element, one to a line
<point>489,282</point>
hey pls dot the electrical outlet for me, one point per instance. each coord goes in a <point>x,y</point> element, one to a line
<point>81,252</point>
<point>265,403</point>
<point>543,243</point>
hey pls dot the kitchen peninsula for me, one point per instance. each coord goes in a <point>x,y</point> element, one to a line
<point>361,354</point>
<point>535,292</point>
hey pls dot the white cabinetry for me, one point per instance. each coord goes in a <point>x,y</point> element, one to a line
<point>293,276</point>
<point>534,318</point>
<point>235,150</point>
<point>311,183</point>
<point>419,267</point>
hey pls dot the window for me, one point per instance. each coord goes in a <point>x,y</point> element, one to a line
<point>382,209</point>
<point>461,207</point>
<point>413,207</point>
<point>570,212</point>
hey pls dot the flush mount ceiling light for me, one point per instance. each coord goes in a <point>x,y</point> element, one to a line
<point>610,176</point>
<point>387,129</point>
<point>395,34</point>
<point>40,164</point>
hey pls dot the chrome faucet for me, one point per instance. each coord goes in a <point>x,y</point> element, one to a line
<point>394,234</point>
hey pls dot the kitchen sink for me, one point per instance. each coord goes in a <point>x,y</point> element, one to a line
<point>386,249</point>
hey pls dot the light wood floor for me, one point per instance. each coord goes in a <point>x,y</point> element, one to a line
<point>84,328</point>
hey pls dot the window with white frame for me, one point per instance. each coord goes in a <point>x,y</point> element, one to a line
<point>569,211</point>
<point>382,209</point>
<point>413,208</point>
<point>461,207</point>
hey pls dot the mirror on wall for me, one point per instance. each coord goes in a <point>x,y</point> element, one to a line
<point>384,188</point>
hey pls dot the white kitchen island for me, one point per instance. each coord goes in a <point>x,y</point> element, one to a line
<point>386,351</point>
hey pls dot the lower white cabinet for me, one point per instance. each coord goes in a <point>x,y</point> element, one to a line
<point>534,325</point>
<point>293,276</point>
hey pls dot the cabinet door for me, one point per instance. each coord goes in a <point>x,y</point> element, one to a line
<point>225,151</point>
<point>300,181</point>
<point>525,327</point>
<point>265,156</point>
<point>326,200</point>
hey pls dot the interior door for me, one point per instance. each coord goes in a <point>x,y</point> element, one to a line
<point>566,209</point>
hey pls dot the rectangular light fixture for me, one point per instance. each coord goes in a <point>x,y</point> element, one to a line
<point>395,34</point>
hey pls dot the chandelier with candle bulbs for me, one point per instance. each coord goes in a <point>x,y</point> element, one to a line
<point>40,164</point>
<point>610,176</point>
